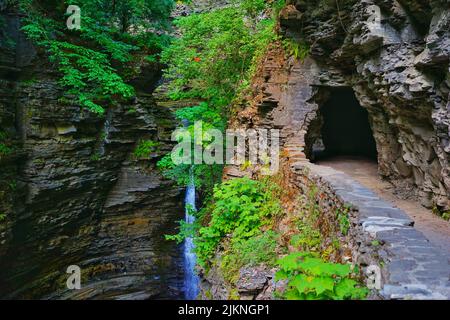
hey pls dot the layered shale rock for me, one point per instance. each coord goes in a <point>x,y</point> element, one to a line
<point>73,193</point>
<point>394,55</point>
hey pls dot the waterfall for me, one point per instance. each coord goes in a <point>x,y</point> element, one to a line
<point>191,279</point>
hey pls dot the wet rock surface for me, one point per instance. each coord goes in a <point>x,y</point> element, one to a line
<point>73,193</point>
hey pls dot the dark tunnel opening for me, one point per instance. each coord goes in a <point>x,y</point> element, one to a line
<point>345,129</point>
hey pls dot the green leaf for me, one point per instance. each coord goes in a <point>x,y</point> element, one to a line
<point>345,288</point>
<point>322,284</point>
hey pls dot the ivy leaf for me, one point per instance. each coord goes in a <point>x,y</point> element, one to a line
<point>293,294</point>
<point>322,284</point>
<point>345,288</point>
<point>301,283</point>
<point>281,275</point>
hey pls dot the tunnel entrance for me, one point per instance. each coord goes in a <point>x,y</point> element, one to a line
<point>343,128</point>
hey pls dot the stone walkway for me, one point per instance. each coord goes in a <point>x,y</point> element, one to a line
<point>365,171</point>
<point>414,268</point>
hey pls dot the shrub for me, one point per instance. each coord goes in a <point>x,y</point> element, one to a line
<point>110,33</point>
<point>308,238</point>
<point>4,150</point>
<point>311,278</point>
<point>240,208</point>
<point>257,250</point>
<point>344,221</point>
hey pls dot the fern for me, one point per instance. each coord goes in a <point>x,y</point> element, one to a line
<point>85,58</point>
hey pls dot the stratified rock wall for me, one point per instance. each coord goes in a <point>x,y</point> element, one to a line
<point>72,192</point>
<point>397,63</point>
<point>395,56</point>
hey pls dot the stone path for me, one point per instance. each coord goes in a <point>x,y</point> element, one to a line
<point>415,268</point>
<point>365,171</point>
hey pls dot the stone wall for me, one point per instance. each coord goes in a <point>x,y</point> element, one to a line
<point>73,193</point>
<point>381,237</point>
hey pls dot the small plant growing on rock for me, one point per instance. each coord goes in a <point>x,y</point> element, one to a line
<point>344,221</point>
<point>4,150</point>
<point>261,249</point>
<point>241,207</point>
<point>298,50</point>
<point>145,148</point>
<point>96,157</point>
<point>311,278</point>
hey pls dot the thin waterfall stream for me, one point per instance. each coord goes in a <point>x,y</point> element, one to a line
<point>191,279</point>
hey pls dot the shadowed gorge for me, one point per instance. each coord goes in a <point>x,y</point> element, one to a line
<point>345,129</point>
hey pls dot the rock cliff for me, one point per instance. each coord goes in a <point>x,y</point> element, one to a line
<point>394,57</point>
<point>71,190</point>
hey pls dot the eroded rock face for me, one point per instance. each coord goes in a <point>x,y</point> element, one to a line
<point>397,63</point>
<point>395,56</point>
<point>73,193</point>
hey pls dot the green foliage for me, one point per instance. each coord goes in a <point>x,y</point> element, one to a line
<point>252,8</point>
<point>439,212</point>
<point>127,15</point>
<point>203,112</point>
<point>446,215</point>
<point>259,249</point>
<point>186,230</point>
<point>213,55</point>
<point>240,208</point>
<point>213,60</point>
<point>96,157</point>
<point>2,217</point>
<point>111,32</point>
<point>3,135</point>
<point>145,148</point>
<point>297,49</point>
<point>13,185</point>
<point>88,74</point>
<point>343,220</point>
<point>310,278</point>
<point>216,51</point>
<point>205,176</point>
<point>4,150</point>
<point>308,238</point>
<point>375,243</point>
